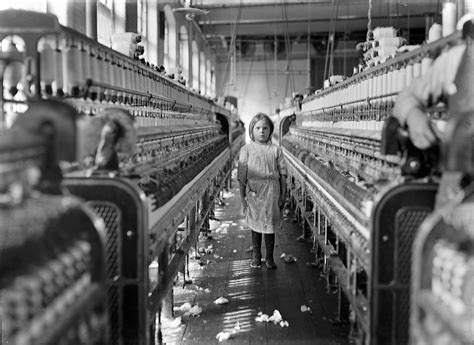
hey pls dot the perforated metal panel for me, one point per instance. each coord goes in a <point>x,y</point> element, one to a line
<point>112,218</point>
<point>396,220</point>
<point>119,203</point>
<point>407,223</point>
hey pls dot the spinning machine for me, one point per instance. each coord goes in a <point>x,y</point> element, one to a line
<point>152,157</point>
<point>361,189</point>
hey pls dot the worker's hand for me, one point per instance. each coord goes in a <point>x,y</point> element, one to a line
<point>127,43</point>
<point>421,132</point>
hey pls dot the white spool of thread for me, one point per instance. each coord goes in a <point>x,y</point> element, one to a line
<point>72,69</point>
<point>384,84</point>
<point>417,69</point>
<point>409,74</point>
<point>133,76</point>
<point>47,65</point>
<point>111,63</point>
<point>435,32</point>
<point>402,73</point>
<point>425,64</point>
<point>365,89</point>
<point>395,80</point>
<point>85,57</point>
<point>106,75</point>
<point>58,70</point>
<point>449,18</point>
<point>371,87</point>
<point>94,69</point>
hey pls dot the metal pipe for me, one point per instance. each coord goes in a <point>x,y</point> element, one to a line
<point>217,5</point>
<point>300,20</point>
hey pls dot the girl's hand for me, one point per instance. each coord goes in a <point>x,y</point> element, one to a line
<point>244,205</point>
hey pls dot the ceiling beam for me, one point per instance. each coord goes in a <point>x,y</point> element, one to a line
<point>315,27</point>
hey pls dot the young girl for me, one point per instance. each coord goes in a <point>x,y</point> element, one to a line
<point>262,182</point>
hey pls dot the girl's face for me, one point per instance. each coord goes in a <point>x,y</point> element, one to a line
<point>261,131</point>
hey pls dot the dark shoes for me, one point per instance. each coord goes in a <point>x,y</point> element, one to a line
<point>270,245</point>
<point>256,264</point>
<point>271,264</point>
<point>257,255</point>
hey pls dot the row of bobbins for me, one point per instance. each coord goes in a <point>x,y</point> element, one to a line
<point>381,86</point>
<point>66,63</point>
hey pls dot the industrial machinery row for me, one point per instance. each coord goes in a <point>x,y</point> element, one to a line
<point>109,169</point>
<point>362,190</point>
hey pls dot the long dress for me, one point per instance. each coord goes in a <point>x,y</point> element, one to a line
<point>260,168</point>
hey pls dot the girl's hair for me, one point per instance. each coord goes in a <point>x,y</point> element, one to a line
<point>259,117</point>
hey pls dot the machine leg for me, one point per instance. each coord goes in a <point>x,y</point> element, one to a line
<point>158,336</point>
<point>343,306</point>
<point>167,305</point>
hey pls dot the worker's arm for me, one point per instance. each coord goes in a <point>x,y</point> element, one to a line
<point>242,187</point>
<point>434,86</point>
<point>281,200</point>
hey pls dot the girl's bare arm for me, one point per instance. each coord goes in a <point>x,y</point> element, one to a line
<point>282,198</point>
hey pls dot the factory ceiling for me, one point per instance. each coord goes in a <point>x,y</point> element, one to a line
<point>266,20</point>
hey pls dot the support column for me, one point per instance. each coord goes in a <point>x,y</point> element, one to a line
<point>131,16</point>
<point>167,305</point>
<point>91,19</point>
<point>342,306</point>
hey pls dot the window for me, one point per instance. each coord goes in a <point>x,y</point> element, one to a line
<point>170,40</point>
<point>105,22</point>
<point>142,24</point>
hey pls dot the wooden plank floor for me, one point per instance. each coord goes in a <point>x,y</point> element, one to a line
<point>226,273</point>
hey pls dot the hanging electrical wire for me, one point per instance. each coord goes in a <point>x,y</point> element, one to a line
<point>249,74</point>
<point>289,67</point>
<point>369,22</point>
<point>308,44</point>
<point>267,82</point>
<point>231,47</point>
<point>328,64</point>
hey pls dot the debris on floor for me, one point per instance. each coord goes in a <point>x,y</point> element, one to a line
<point>276,318</point>
<point>221,336</point>
<point>224,335</point>
<point>249,249</point>
<point>194,311</point>
<point>171,323</point>
<point>305,309</point>
<point>208,250</point>
<point>190,310</point>
<point>289,258</point>
<point>261,317</point>
<point>184,307</point>
<point>221,300</point>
